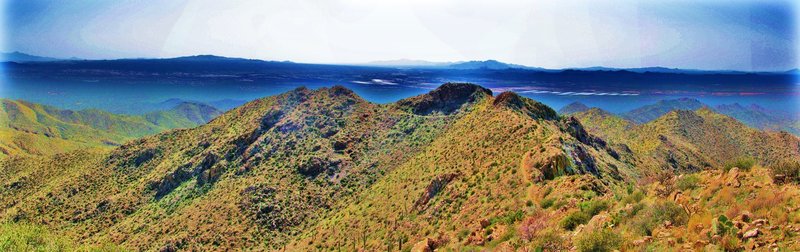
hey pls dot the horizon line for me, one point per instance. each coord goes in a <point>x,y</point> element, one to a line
<point>442,63</point>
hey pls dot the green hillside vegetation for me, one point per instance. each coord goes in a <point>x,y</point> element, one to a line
<point>34,129</point>
<point>761,118</point>
<point>689,140</point>
<point>752,115</point>
<point>457,169</point>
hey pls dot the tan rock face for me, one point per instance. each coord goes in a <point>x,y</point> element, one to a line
<point>436,185</point>
<point>544,163</point>
<point>733,178</point>
<point>424,245</point>
<point>598,221</point>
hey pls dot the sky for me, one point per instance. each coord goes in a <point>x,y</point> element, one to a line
<point>735,35</point>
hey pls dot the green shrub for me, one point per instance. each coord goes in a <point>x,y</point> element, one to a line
<point>463,234</point>
<point>634,197</point>
<point>549,240</point>
<point>508,217</point>
<point>743,163</point>
<point>27,237</point>
<point>574,219</point>
<point>547,191</point>
<point>687,182</point>
<point>599,241</point>
<point>546,203</point>
<point>787,171</point>
<point>559,204</point>
<point>723,226</point>
<point>594,207</point>
<point>657,214</point>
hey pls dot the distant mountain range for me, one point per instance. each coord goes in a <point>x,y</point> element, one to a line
<point>462,65</point>
<point>752,115</point>
<point>140,108</point>
<point>24,57</point>
<point>20,57</point>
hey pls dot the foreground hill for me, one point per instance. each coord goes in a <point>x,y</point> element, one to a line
<point>36,129</point>
<point>456,168</point>
<point>260,174</point>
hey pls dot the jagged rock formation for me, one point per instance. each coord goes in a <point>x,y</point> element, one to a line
<point>445,99</point>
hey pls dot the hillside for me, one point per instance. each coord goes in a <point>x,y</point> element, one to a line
<point>36,129</point>
<point>320,148</point>
<point>454,169</point>
<point>751,115</point>
<point>651,112</point>
<point>761,118</point>
<point>690,140</point>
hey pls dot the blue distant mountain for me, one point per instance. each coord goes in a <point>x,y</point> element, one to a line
<point>490,64</point>
<point>668,70</point>
<point>24,57</point>
<point>459,65</point>
<point>485,64</point>
<point>406,63</point>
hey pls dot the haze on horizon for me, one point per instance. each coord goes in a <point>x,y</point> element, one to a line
<point>743,35</point>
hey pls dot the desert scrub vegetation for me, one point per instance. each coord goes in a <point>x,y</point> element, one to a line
<point>599,241</point>
<point>657,214</point>
<point>425,173</point>
<point>586,211</point>
<point>743,163</point>
<point>687,182</point>
<point>27,237</point>
<point>786,171</point>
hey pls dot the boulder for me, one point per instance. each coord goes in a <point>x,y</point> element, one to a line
<point>760,222</point>
<point>425,245</point>
<point>745,216</point>
<point>598,221</point>
<point>484,223</point>
<point>751,234</point>
<point>733,178</point>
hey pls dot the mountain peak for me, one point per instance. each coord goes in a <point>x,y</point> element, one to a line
<point>485,64</point>
<point>651,112</point>
<point>203,57</point>
<point>574,107</point>
<point>446,98</point>
<point>18,56</point>
<point>525,105</point>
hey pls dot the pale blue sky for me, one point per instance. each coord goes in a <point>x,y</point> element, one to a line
<point>741,35</point>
